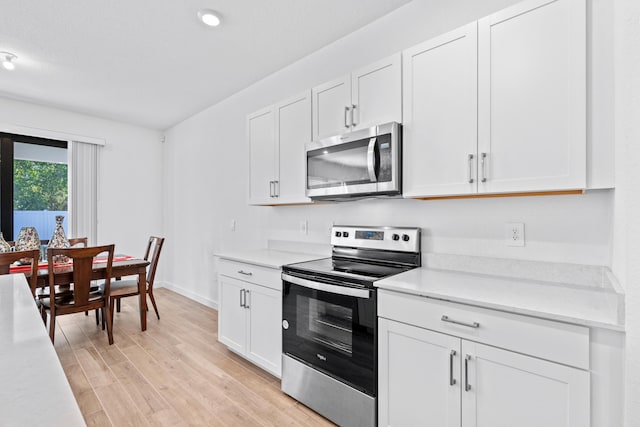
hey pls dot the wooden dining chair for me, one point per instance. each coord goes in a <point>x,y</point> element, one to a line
<point>127,288</point>
<point>8,258</point>
<point>80,296</point>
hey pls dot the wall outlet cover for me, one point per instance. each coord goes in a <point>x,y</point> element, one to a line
<point>514,233</point>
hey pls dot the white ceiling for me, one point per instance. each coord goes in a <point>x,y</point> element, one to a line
<point>151,62</point>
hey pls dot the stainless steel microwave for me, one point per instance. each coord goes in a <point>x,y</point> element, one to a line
<point>364,163</point>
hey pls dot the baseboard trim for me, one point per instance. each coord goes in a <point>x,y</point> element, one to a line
<point>187,293</point>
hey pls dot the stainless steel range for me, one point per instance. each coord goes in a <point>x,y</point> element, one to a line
<point>329,320</point>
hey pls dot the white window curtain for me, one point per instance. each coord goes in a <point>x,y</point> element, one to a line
<point>83,209</point>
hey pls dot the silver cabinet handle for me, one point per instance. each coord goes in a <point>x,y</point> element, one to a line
<point>241,297</point>
<point>483,162</point>
<point>467,386</point>
<point>474,325</point>
<point>353,120</point>
<point>246,273</point>
<point>346,117</point>
<point>452,380</point>
<point>270,188</point>
<point>247,294</point>
<point>470,159</point>
<point>276,187</point>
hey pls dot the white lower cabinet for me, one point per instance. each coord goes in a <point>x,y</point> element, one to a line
<point>430,378</point>
<point>504,388</point>
<point>249,316</point>
<point>414,384</point>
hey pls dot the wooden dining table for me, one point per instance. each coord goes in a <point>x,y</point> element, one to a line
<point>122,266</point>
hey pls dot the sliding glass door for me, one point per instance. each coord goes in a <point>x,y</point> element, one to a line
<point>33,184</point>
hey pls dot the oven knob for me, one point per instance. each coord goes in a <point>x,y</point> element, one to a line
<point>345,234</point>
<point>285,324</point>
<point>395,237</point>
<point>405,237</point>
<point>338,234</point>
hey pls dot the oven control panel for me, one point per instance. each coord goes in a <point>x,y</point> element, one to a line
<point>404,239</point>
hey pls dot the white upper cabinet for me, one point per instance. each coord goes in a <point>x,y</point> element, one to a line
<point>293,131</point>
<point>262,156</point>
<point>440,115</point>
<point>277,136</point>
<point>376,93</point>
<point>532,97</point>
<point>331,108</point>
<point>367,97</point>
<point>499,106</point>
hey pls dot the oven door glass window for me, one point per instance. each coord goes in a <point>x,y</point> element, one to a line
<point>328,324</point>
<point>333,333</point>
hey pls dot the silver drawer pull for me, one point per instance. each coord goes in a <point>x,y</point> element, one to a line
<point>246,273</point>
<point>474,325</point>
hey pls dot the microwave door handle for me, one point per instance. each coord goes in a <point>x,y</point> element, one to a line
<point>371,159</point>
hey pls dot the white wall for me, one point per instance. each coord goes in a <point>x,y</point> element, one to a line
<point>207,161</point>
<point>626,243</point>
<point>129,175</point>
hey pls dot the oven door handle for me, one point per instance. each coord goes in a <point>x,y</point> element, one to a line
<point>340,290</point>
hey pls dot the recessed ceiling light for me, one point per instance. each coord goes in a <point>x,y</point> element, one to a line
<point>209,17</point>
<point>7,60</point>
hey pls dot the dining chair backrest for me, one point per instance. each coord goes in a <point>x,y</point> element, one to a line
<point>8,258</point>
<point>155,245</point>
<point>82,259</point>
<point>79,241</point>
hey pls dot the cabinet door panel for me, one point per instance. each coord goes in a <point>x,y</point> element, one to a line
<point>532,91</point>
<point>377,93</point>
<point>265,333</point>
<point>262,147</point>
<point>329,103</point>
<point>414,387</point>
<point>293,131</point>
<point>508,389</point>
<point>440,112</point>
<point>232,323</point>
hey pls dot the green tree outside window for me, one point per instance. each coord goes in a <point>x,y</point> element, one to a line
<point>39,186</point>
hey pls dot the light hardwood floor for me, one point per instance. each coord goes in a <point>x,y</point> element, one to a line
<point>176,373</point>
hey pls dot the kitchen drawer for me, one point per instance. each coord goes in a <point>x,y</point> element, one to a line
<point>546,339</point>
<point>264,276</point>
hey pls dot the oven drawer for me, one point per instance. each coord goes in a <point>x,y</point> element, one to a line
<point>264,276</point>
<point>546,339</point>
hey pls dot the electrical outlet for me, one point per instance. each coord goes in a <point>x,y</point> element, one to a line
<point>303,226</point>
<point>514,233</point>
<point>232,225</point>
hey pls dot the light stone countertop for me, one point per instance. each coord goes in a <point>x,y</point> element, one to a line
<point>268,257</point>
<point>597,301</point>
<point>35,390</point>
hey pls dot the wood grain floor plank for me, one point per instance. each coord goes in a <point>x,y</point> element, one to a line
<point>176,373</point>
<point>97,419</point>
